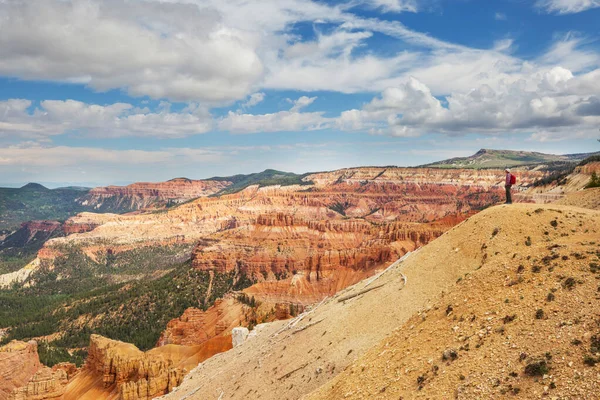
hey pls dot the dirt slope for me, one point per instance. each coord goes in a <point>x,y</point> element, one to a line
<point>527,304</point>
<point>588,198</point>
<point>289,363</point>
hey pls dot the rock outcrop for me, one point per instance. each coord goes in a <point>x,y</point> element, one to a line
<point>296,261</point>
<point>196,327</point>
<point>118,370</point>
<point>23,377</point>
<point>19,362</point>
<point>46,384</point>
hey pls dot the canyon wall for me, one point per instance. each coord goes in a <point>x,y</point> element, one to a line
<point>23,377</point>
<point>150,194</point>
<point>18,363</point>
<point>118,370</point>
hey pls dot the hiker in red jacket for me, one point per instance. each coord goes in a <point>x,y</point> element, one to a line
<point>510,180</point>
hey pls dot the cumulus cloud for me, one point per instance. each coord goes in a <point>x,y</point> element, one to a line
<point>177,51</point>
<point>208,51</point>
<point>56,117</point>
<point>282,121</point>
<point>552,101</point>
<point>301,103</point>
<point>567,6</point>
<point>254,99</point>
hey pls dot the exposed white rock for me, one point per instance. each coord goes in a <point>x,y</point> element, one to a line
<point>239,335</point>
<point>19,276</point>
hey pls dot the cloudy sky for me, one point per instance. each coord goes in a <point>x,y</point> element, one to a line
<point>116,91</point>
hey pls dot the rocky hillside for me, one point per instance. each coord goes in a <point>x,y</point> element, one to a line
<point>117,370</point>
<point>500,305</point>
<point>524,324</point>
<point>488,158</point>
<point>588,198</point>
<point>22,376</point>
<point>555,186</point>
<point>143,195</point>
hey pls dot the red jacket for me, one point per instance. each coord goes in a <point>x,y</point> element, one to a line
<point>508,179</point>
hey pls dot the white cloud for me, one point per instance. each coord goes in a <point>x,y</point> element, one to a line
<point>56,117</point>
<point>254,99</point>
<point>178,51</point>
<point>282,121</point>
<point>301,103</point>
<point>208,51</point>
<point>38,156</point>
<point>567,6</point>
<point>396,5</point>
<point>499,16</point>
<point>553,101</point>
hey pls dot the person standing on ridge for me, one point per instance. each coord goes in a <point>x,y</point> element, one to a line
<point>510,180</point>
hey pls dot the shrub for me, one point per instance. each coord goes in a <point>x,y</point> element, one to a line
<point>594,181</point>
<point>537,367</point>
<point>569,283</point>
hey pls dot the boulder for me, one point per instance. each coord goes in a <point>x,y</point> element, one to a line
<point>239,335</point>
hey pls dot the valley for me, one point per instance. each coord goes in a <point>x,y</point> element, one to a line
<point>124,305</point>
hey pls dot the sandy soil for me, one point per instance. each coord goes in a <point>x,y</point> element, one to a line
<point>491,318</point>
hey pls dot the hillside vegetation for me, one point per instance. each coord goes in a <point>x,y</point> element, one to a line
<point>135,312</point>
<point>268,177</point>
<point>488,158</point>
<point>35,202</point>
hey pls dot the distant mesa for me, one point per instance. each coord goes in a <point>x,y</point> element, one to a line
<point>34,186</point>
<point>490,158</point>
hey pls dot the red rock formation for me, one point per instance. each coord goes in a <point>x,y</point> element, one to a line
<point>19,362</point>
<point>74,226</point>
<point>120,370</point>
<point>589,168</point>
<point>41,226</point>
<point>46,384</point>
<point>23,377</point>
<point>195,326</point>
<point>146,194</point>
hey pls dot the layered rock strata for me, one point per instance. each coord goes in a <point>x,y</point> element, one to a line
<point>118,370</point>
<point>149,194</point>
<point>19,362</point>
<point>46,384</point>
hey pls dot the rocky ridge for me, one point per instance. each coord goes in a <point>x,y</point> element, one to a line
<point>25,378</point>
<point>142,195</point>
<point>349,333</point>
<point>522,325</point>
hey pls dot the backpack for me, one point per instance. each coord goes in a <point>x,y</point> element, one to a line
<point>513,179</point>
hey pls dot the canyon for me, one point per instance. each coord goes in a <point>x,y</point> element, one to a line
<point>264,254</point>
<point>143,195</point>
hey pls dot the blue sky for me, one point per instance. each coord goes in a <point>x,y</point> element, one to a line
<point>115,91</point>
